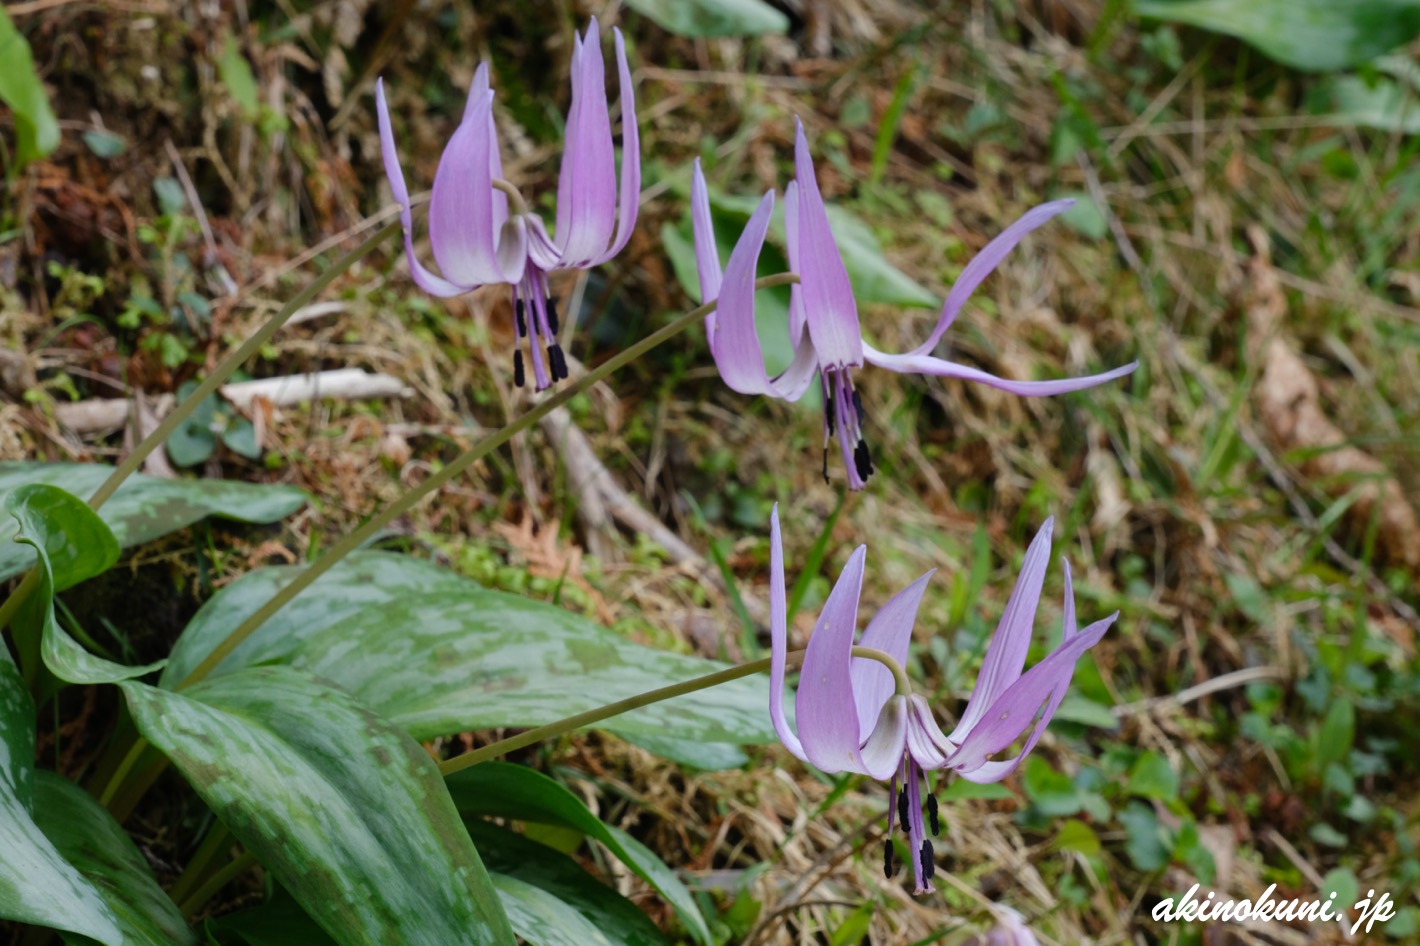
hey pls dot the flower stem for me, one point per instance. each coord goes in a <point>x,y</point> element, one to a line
<point>581,720</point>
<point>899,676</point>
<point>354,540</point>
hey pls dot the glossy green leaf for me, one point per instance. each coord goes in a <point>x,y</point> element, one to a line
<point>440,654</point>
<point>37,885</point>
<point>346,811</point>
<point>36,131</point>
<point>510,854</point>
<point>73,544</point>
<point>710,18</point>
<point>1313,35</point>
<point>502,790</point>
<point>145,507</point>
<point>540,919</point>
<point>89,839</point>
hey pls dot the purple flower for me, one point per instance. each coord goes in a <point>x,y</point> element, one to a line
<point>856,710</point>
<point>822,302</point>
<point>477,239</point>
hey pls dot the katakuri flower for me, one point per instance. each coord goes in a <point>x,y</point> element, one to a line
<point>823,317</point>
<point>480,227</point>
<point>856,711</point>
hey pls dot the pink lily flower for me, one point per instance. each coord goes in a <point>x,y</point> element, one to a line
<point>480,228</point>
<point>823,317</point>
<point>855,707</point>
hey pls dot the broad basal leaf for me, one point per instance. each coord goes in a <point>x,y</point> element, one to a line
<point>37,885</point>
<point>501,790</point>
<point>145,507</point>
<point>89,839</point>
<point>512,855</point>
<point>346,811</point>
<point>72,544</point>
<point>1315,35</point>
<point>439,654</point>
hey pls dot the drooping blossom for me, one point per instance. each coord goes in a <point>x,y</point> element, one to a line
<point>480,228</point>
<point>856,711</point>
<point>823,317</point>
<point>1010,930</point>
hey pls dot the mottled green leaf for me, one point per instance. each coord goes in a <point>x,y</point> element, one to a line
<point>64,530</point>
<point>710,18</point>
<point>514,855</point>
<point>1313,35</point>
<point>502,790</point>
<point>37,885</point>
<point>145,507</point>
<point>439,654</point>
<point>346,811</point>
<point>89,839</point>
<point>36,131</point>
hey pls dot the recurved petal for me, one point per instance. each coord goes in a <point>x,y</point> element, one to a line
<point>797,318</point>
<point>734,338</point>
<point>925,741</point>
<point>940,367</point>
<point>983,263</point>
<point>461,220</point>
<point>707,256</point>
<point>630,191</point>
<point>890,631</point>
<point>430,283</point>
<point>882,751</point>
<point>586,187</point>
<point>826,712</point>
<point>779,639</point>
<point>1006,654</point>
<point>1015,709</point>
<point>827,294</point>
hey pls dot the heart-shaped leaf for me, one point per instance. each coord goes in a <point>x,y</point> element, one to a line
<point>344,809</point>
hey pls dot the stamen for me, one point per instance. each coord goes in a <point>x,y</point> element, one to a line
<point>557,361</point>
<point>889,868</point>
<point>932,818</point>
<point>902,806</point>
<point>825,463</point>
<point>832,419</point>
<point>552,325</point>
<point>518,313</point>
<point>858,405</point>
<point>863,460</point>
<point>929,864</point>
<point>519,377</point>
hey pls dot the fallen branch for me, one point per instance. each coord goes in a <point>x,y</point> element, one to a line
<point>345,384</point>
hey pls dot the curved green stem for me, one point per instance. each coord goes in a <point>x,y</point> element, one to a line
<point>899,676</point>
<point>505,746</point>
<point>353,540</point>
